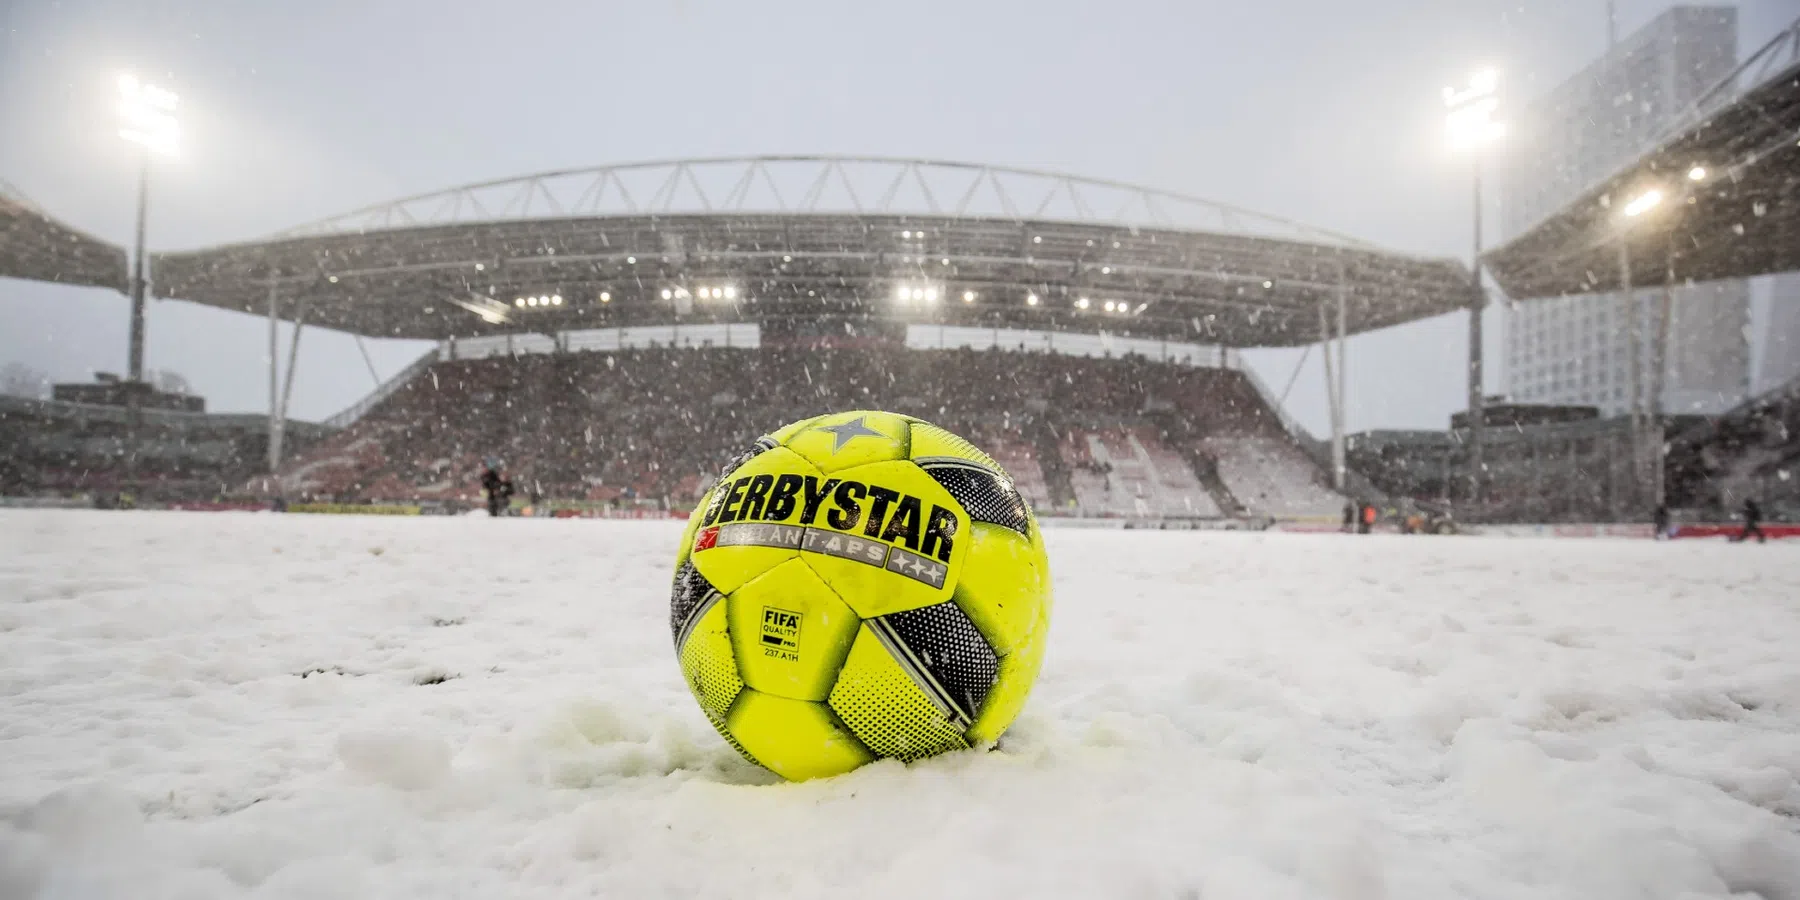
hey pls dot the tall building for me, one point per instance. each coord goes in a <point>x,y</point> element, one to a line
<point>1580,350</point>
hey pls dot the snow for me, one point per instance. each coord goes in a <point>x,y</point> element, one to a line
<point>203,705</point>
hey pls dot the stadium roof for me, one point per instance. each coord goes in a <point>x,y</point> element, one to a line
<point>37,247</point>
<point>756,238</point>
<point>1740,217</point>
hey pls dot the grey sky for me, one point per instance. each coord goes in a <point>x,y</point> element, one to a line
<point>1317,110</point>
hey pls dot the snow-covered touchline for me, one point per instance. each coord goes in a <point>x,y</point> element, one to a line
<point>224,705</point>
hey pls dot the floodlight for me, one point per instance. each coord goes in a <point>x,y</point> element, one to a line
<point>968,296</point>
<point>1081,303</point>
<point>1697,173</point>
<point>605,297</point>
<point>930,295</point>
<point>555,299</point>
<point>147,116</point>
<point>1108,306</point>
<point>1643,203</point>
<point>730,292</point>
<point>1031,299</point>
<point>668,294</point>
<point>1470,122</point>
<point>520,302</point>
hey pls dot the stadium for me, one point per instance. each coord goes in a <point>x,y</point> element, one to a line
<point>580,600</point>
<point>613,333</point>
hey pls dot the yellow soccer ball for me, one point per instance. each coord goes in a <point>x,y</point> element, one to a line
<point>857,586</point>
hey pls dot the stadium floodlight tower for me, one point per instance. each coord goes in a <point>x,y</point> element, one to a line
<point>1470,126</point>
<point>146,118</point>
<point>1646,425</point>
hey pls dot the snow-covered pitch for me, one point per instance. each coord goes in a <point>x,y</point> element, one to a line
<point>223,705</point>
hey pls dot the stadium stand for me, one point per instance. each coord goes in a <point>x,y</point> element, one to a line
<point>55,448</point>
<point>1750,452</point>
<point>650,426</point>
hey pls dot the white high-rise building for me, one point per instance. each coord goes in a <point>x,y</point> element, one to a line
<point>1579,350</point>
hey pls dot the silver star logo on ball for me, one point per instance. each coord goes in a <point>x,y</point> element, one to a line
<point>849,431</point>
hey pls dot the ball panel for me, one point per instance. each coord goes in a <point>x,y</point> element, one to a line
<point>691,592</point>
<point>985,495</point>
<point>708,662</point>
<point>886,708</point>
<point>790,632</point>
<point>795,739</point>
<point>844,440</point>
<point>944,652</point>
<point>929,441</point>
<point>1002,585</point>
<point>781,435</point>
<point>897,506</point>
<point>743,495</point>
<point>1018,670</point>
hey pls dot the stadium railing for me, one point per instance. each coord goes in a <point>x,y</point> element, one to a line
<point>386,389</point>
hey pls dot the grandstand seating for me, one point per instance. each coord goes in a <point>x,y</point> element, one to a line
<point>1750,452</point>
<point>64,449</point>
<point>1098,437</point>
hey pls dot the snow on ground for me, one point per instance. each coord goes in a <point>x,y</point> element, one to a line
<point>224,705</point>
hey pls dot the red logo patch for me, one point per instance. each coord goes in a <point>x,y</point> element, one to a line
<point>707,539</point>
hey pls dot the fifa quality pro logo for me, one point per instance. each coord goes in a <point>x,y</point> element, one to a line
<point>895,531</point>
<point>780,634</point>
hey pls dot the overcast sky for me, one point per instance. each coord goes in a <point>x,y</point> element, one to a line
<point>1322,111</point>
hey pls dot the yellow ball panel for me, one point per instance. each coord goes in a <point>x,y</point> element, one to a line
<point>790,631</point>
<point>781,435</point>
<point>725,566</point>
<point>1002,586</point>
<point>844,440</point>
<point>886,708</point>
<point>859,566</point>
<point>709,664</point>
<point>929,441</point>
<point>1018,671</point>
<point>795,739</point>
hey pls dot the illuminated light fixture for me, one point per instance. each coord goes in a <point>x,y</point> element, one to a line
<point>520,302</point>
<point>1037,238</point>
<point>332,279</point>
<point>530,301</point>
<point>1082,303</point>
<point>906,234</point>
<point>605,297</point>
<point>1697,173</point>
<point>147,116</point>
<point>787,259</point>
<point>946,260</point>
<point>1031,299</point>
<point>555,299</point>
<point>1106,270</point>
<point>479,267</point>
<point>903,293</point>
<point>930,295</point>
<point>1470,122</point>
<point>1108,306</point>
<point>668,294</point>
<point>968,296</point>
<point>631,260</point>
<point>1643,203</point>
<point>730,292</point>
<point>1268,284</point>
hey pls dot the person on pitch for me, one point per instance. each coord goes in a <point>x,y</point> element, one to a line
<point>497,486</point>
